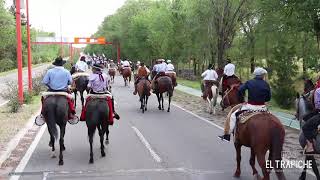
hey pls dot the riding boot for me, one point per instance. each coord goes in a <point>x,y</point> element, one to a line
<point>115,115</point>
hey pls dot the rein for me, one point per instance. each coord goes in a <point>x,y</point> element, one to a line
<point>227,93</point>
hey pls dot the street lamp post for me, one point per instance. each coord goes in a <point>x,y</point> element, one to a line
<point>19,50</point>
<point>29,50</point>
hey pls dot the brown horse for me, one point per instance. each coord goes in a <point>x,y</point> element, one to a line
<point>112,73</point>
<point>230,97</point>
<point>261,133</point>
<point>164,84</point>
<point>126,74</point>
<point>143,88</point>
<point>173,77</point>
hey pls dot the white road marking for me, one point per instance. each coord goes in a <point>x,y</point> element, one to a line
<point>45,175</point>
<point>148,146</point>
<point>27,156</point>
<point>221,128</point>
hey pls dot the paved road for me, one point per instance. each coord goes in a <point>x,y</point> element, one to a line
<point>14,77</point>
<point>181,147</point>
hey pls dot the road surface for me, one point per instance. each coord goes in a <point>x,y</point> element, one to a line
<point>153,146</point>
<point>14,77</point>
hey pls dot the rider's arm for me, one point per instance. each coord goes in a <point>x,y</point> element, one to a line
<point>204,73</point>
<point>243,89</point>
<point>268,98</point>
<point>46,79</point>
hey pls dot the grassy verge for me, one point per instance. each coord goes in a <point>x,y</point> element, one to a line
<point>11,123</point>
<point>189,83</point>
<point>196,85</point>
<point>25,68</point>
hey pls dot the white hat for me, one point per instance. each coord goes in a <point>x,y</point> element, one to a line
<point>138,62</point>
<point>259,71</point>
<point>168,61</point>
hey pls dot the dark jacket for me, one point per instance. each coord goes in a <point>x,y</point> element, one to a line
<point>258,91</point>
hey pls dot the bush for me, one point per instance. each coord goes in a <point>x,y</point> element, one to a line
<point>37,85</point>
<point>12,95</point>
<point>27,97</point>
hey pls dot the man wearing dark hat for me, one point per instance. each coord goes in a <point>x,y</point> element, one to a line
<point>57,79</point>
<point>210,77</point>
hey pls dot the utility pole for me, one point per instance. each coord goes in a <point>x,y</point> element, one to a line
<point>19,50</point>
<point>29,50</point>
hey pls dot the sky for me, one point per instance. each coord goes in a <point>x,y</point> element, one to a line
<point>79,18</point>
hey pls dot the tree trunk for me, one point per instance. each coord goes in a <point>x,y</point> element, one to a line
<point>252,59</point>
<point>220,53</point>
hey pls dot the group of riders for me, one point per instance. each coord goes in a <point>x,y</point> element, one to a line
<point>58,79</point>
<point>259,93</point>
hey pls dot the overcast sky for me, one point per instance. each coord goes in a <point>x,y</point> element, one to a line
<point>80,18</point>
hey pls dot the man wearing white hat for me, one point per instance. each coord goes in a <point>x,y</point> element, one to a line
<point>160,70</point>
<point>258,94</point>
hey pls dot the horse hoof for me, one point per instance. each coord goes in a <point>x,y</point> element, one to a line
<point>303,176</point>
<point>237,174</point>
<point>61,163</point>
<point>106,142</point>
<point>63,148</point>
<point>50,144</point>
<point>103,154</point>
<point>159,108</point>
<point>91,161</point>
<point>168,110</point>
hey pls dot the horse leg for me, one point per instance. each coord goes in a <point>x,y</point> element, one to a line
<point>101,134</point>
<point>161,96</point>
<point>262,163</point>
<point>51,144</point>
<point>304,171</point>
<point>90,134</point>
<point>75,98</point>
<point>61,143</point>
<point>158,96</point>
<point>238,149</point>
<point>314,166</point>
<point>146,102</point>
<point>107,135</point>
<point>142,103</point>
<point>82,99</point>
<point>252,162</point>
<point>169,102</point>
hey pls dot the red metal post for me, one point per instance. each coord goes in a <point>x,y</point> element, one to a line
<point>29,50</point>
<point>19,51</point>
<point>118,53</point>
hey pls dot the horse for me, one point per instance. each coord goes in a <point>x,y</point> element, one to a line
<point>304,107</point>
<point>112,73</point>
<point>55,112</point>
<point>164,84</point>
<point>230,97</point>
<point>126,74</point>
<point>97,116</point>
<point>143,88</point>
<point>81,84</point>
<point>211,96</point>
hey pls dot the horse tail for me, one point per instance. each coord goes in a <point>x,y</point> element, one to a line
<point>277,140</point>
<point>214,90</point>
<point>51,122</point>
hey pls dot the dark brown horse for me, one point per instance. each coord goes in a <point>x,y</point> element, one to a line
<point>126,74</point>
<point>112,73</point>
<point>164,84</point>
<point>143,88</point>
<point>230,97</point>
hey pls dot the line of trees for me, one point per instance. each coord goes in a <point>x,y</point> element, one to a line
<point>281,35</point>
<point>8,54</point>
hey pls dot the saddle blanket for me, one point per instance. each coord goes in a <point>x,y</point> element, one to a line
<point>79,74</point>
<point>46,94</point>
<point>170,72</point>
<point>106,97</point>
<point>245,115</point>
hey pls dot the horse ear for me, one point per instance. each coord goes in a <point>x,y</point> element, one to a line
<point>298,95</point>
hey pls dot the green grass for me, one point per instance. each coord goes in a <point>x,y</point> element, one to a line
<point>15,70</point>
<point>189,83</point>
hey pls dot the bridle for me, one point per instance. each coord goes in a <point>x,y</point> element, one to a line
<point>227,93</point>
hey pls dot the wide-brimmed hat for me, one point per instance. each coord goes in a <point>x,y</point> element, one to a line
<point>161,60</point>
<point>259,71</point>
<point>168,61</point>
<point>59,61</point>
<point>97,67</point>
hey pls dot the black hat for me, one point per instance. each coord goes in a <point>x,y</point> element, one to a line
<point>59,61</point>
<point>97,67</point>
<point>210,66</point>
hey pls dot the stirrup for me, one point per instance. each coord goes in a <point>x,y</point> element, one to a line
<point>74,121</point>
<point>39,120</point>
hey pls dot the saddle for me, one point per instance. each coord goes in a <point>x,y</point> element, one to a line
<point>245,115</point>
<point>46,94</point>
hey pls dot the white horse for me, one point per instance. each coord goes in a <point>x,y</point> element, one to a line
<point>212,103</point>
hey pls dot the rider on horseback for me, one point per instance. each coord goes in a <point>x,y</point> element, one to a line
<point>170,66</point>
<point>81,65</point>
<point>57,79</point>
<point>170,72</point>
<point>143,72</point>
<point>160,70</point>
<point>310,128</point>
<point>98,84</point>
<point>210,76</point>
<point>228,72</point>
<point>258,93</point>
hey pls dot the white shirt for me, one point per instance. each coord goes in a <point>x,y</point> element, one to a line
<point>161,67</point>
<point>126,63</point>
<point>229,69</point>
<point>210,75</point>
<point>170,67</point>
<point>82,66</point>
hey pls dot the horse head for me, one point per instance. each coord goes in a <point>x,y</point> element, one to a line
<point>231,97</point>
<point>304,105</point>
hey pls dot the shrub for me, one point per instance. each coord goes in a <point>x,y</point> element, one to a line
<point>37,85</point>
<point>12,95</point>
